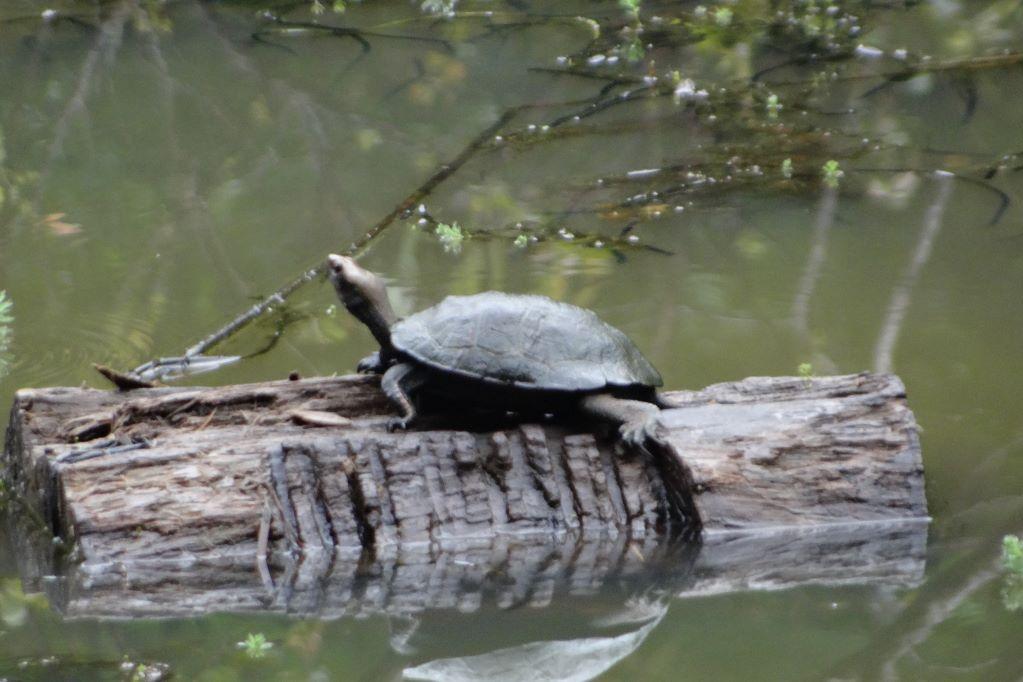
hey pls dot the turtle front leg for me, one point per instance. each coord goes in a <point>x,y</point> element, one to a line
<point>636,419</point>
<point>398,383</point>
<point>371,364</point>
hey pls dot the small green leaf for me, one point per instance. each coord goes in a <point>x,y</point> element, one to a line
<point>635,51</point>
<point>1012,554</point>
<point>255,645</point>
<point>831,174</point>
<point>451,237</point>
<point>630,6</point>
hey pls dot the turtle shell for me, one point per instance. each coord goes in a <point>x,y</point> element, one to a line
<point>530,342</point>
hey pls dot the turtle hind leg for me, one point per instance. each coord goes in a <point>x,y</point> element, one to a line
<point>399,383</point>
<point>662,402</point>
<point>649,395</point>
<point>636,419</point>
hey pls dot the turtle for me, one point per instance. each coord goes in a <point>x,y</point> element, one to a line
<point>518,353</point>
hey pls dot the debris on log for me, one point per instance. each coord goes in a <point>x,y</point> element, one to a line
<point>292,496</point>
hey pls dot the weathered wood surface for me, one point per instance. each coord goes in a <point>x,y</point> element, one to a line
<point>292,496</point>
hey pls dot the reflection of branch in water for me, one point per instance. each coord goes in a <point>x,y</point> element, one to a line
<point>936,614</point>
<point>108,41</point>
<point>815,262</point>
<point>402,628</point>
<point>987,467</point>
<point>172,86</point>
<point>297,102</point>
<point>987,172</point>
<point>901,295</point>
<point>574,659</point>
<point>932,604</point>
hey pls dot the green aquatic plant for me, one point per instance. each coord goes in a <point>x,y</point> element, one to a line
<point>6,306</point>
<point>15,605</point>
<point>450,236</point>
<point>3,175</point>
<point>136,671</point>
<point>786,169</point>
<point>337,7</point>
<point>6,319</point>
<point>630,6</point>
<point>805,371</point>
<point>1012,593</point>
<point>633,51</point>
<point>439,7</point>
<point>522,241</point>
<point>831,174</point>
<point>255,645</point>
<point>1012,554</point>
<point>1012,563</point>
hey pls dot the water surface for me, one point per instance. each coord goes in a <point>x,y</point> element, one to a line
<point>162,170</point>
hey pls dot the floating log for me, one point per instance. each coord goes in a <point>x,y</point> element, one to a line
<point>292,496</point>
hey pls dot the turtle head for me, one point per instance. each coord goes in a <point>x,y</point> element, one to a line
<point>364,295</point>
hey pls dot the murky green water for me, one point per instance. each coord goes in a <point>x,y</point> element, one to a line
<point>161,170</point>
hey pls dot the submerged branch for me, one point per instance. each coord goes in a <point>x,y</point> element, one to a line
<point>288,28</point>
<point>1000,61</point>
<point>601,105</point>
<point>581,72</point>
<point>550,231</point>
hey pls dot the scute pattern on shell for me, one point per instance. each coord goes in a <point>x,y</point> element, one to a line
<point>527,341</point>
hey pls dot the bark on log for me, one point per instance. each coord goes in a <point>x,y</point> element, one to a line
<point>291,495</point>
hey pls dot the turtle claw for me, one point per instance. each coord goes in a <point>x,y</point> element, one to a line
<point>399,424</point>
<point>370,364</point>
<point>634,434</point>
